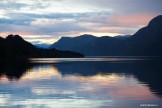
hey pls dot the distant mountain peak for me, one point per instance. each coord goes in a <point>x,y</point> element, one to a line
<point>42,45</point>
<point>81,36</point>
<point>86,35</point>
<point>73,43</point>
<point>64,37</point>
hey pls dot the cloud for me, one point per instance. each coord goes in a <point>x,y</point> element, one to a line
<point>122,6</point>
<point>11,5</point>
<point>48,23</point>
<point>70,17</point>
<point>15,21</point>
<point>38,39</point>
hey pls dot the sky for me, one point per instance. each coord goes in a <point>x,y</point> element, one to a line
<point>45,21</point>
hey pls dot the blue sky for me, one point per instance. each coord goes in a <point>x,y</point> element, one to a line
<point>45,21</point>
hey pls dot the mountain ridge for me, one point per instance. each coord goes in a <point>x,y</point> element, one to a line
<point>15,47</point>
<point>74,43</point>
<point>145,42</point>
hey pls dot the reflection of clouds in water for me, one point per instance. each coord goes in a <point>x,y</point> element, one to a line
<point>60,103</point>
<point>45,86</point>
<point>114,85</point>
<point>97,78</point>
<point>41,73</point>
<point>3,79</point>
<point>9,101</point>
<point>4,99</point>
<point>43,91</point>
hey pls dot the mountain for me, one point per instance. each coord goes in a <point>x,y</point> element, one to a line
<point>90,45</point>
<point>73,43</point>
<point>123,37</point>
<point>15,47</point>
<point>42,45</point>
<point>101,46</point>
<point>145,42</point>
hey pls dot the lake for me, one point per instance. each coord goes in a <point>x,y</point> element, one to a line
<point>101,82</point>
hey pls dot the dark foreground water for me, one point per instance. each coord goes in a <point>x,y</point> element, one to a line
<point>113,82</point>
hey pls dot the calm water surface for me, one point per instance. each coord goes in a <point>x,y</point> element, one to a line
<point>113,82</point>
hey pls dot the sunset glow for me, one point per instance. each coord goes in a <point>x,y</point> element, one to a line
<point>56,18</point>
<point>48,81</point>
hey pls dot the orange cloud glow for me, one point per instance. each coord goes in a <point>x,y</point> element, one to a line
<point>133,19</point>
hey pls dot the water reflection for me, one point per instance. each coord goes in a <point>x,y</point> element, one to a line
<point>95,84</point>
<point>14,69</point>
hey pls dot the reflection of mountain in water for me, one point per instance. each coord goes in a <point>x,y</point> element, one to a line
<point>14,69</point>
<point>148,72</point>
<point>151,74</point>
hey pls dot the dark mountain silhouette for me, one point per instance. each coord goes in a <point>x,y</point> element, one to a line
<point>145,42</point>
<point>14,70</point>
<point>15,47</point>
<point>73,43</point>
<point>123,37</point>
<point>101,46</point>
<point>90,45</point>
